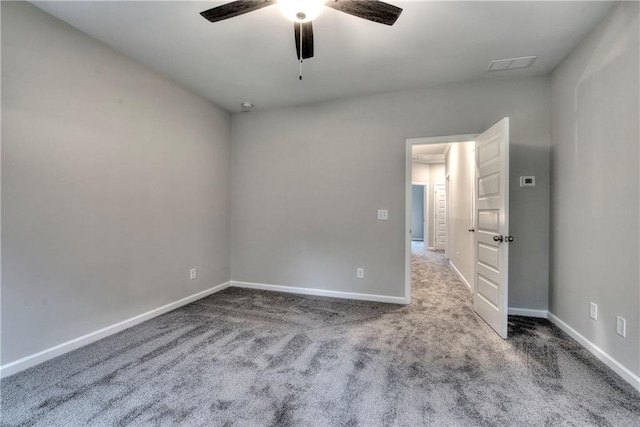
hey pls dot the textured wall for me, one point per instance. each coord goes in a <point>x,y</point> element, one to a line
<point>595,186</point>
<point>114,183</point>
<point>307,181</point>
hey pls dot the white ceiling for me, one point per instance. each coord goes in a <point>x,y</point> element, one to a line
<point>252,57</point>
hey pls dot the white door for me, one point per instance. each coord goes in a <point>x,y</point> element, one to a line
<point>440,216</point>
<point>491,247</point>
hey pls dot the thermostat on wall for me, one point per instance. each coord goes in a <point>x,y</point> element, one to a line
<point>527,181</point>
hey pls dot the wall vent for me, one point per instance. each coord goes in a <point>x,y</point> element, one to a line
<point>511,63</point>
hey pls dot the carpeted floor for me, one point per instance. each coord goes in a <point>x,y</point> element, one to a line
<point>254,358</point>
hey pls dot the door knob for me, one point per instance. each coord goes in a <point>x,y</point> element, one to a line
<point>508,238</point>
<point>472,230</point>
<point>498,238</point>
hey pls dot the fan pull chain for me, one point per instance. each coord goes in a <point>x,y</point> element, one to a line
<point>300,73</point>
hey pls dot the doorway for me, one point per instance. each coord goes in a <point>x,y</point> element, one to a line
<point>423,177</point>
<point>477,254</point>
<point>418,201</point>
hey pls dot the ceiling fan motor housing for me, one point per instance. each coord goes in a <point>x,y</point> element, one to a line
<point>302,12</point>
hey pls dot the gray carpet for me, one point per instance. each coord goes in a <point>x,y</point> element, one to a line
<point>253,358</point>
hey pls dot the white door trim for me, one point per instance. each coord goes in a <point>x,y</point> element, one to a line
<point>410,142</point>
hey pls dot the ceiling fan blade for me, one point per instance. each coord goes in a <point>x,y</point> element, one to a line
<point>235,8</point>
<point>372,10</point>
<point>307,39</point>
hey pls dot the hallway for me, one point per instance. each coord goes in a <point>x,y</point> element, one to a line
<point>433,280</point>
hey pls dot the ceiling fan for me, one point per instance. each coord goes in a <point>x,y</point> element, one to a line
<point>302,12</point>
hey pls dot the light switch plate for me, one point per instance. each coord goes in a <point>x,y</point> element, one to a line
<point>383,214</point>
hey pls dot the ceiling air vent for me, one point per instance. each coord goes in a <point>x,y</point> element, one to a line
<point>511,63</point>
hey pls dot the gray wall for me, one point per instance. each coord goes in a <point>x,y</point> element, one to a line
<point>307,181</point>
<point>595,180</point>
<point>114,183</point>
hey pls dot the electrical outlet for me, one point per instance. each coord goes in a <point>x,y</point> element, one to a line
<point>621,326</point>
<point>593,311</point>
<point>193,274</point>
<point>383,214</point>
<point>360,273</point>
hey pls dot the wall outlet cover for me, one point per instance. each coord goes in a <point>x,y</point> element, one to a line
<point>621,326</point>
<point>593,311</point>
<point>383,214</point>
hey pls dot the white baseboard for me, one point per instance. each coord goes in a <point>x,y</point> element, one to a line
<point>602,355</point>
<point>320,292</point>
<point>42,356</point>
<point>460,276</point>
<point>527,312</point>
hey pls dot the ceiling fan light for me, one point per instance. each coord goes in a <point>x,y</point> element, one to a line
<point>301,10</point>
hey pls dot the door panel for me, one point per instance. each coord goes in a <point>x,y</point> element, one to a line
<point>488,220</point>
<point>492,219</point>
<point>488,152</point>
<point>488,290</point>
<point>489,186</point>
<point>488,256</point>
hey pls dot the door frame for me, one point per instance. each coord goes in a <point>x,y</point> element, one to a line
<point>410,142</point>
